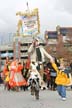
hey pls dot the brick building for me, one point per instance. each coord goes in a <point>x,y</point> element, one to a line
<point>59,42</point>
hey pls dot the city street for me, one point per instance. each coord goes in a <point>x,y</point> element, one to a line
<point>48,99</point>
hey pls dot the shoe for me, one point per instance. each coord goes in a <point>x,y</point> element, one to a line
<point>32,93</point>
<point>44,88</point>
<point>54,89</point>
<point>63,98</point>
<point>37,98</point>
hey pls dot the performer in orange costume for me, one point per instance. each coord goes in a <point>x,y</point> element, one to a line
<point>6,73</point>
<point>16,78</point>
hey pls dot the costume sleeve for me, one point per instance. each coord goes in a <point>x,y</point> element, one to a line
<point>30,48</point>
<point>51,59</point>
<point>47,55</point>
<point>55,67</point>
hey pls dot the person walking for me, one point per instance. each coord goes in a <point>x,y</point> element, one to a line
<point>62,79</point>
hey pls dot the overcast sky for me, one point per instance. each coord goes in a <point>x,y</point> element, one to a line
<point>51,13</point>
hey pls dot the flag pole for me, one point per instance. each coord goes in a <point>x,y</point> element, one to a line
<point>28,10</point>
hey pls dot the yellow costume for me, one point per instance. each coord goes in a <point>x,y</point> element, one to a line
<point>62,78</point>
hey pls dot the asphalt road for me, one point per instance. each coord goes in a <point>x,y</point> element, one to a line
<point>48,99</point>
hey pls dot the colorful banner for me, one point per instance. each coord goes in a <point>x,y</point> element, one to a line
<point>29,23</point>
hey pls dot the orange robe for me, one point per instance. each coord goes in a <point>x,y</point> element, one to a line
<point>16,78</point>
<point>6,74</point>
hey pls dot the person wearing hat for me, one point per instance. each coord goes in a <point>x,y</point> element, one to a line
<point>37,54</point>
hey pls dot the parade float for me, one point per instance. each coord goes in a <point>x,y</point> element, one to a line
<point>28,27</point>
<point>28,24</point>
